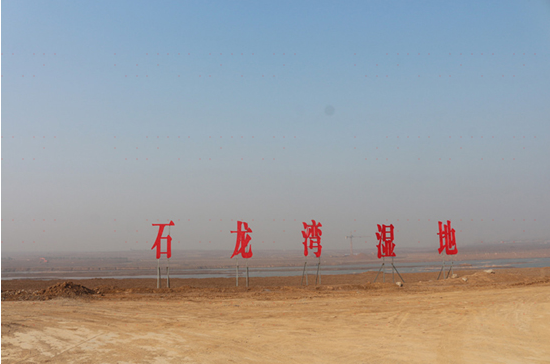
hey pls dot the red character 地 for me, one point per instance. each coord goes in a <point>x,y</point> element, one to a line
<point>313,233</point>
<point>168,238</point>
<point>243,239</point>
<point>447,240</point>
<point>385,239</point>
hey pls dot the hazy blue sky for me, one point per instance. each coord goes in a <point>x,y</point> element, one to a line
<point>119,113</point>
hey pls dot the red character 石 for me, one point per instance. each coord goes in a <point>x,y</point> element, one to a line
<point>313,233</point>
<point>385,236</point>
<point>243,239</point>
<point>447,239</point>
<point>168,238</point>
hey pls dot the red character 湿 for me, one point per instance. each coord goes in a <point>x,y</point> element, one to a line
<point>385,239</point>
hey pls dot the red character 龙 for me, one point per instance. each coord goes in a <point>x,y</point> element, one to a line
<point>447,240</point>
<point>168,238</point>
<point>243,239</point>
<point>313,233</point>
<point>385,239</point>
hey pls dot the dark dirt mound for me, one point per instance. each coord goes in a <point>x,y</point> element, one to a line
<point>63,289</point>
<point>66,289</point>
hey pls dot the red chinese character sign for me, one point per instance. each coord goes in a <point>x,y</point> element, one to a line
<point>312,240</point>
<point>385,247</point>
<point>385,239</point>
<point>242,247</point>
<point>168,238</point>
<point>447,239</point>
<point>447,243</point>
<point>313,234</point>
<point>168,251</point>
<point>243,239</point>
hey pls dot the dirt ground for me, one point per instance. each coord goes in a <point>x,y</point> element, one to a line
<point>501,317</point>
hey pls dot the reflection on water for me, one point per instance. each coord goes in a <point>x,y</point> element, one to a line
<point>403,267</point>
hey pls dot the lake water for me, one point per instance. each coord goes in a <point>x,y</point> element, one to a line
<point>403,267</point>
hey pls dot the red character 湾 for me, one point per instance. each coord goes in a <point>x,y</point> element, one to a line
<point>313,233</point>
<point>243,239</point>
<point>168,238</point>
<point>385,239</point>
<point>447,240</point>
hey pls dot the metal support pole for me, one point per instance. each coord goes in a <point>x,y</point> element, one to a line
<point>319,270</point>
<point>402,280</point>
<point>392,275</point>
<point>318,278</point>
<point>384,271</point>
<point>247,273</point>
<point>158,273</point>
<point>168,274</point>
<point>304,273</point>
<point>450,270</point>
<point>237,273</point>
<point>378,273</point>
<point>442,268</point>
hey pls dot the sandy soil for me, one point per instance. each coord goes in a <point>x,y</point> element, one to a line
<point>490,318</point>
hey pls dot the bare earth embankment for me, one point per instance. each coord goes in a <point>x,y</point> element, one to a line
<point>489,318</point>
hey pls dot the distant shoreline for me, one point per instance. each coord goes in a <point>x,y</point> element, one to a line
<point>277,271</point>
